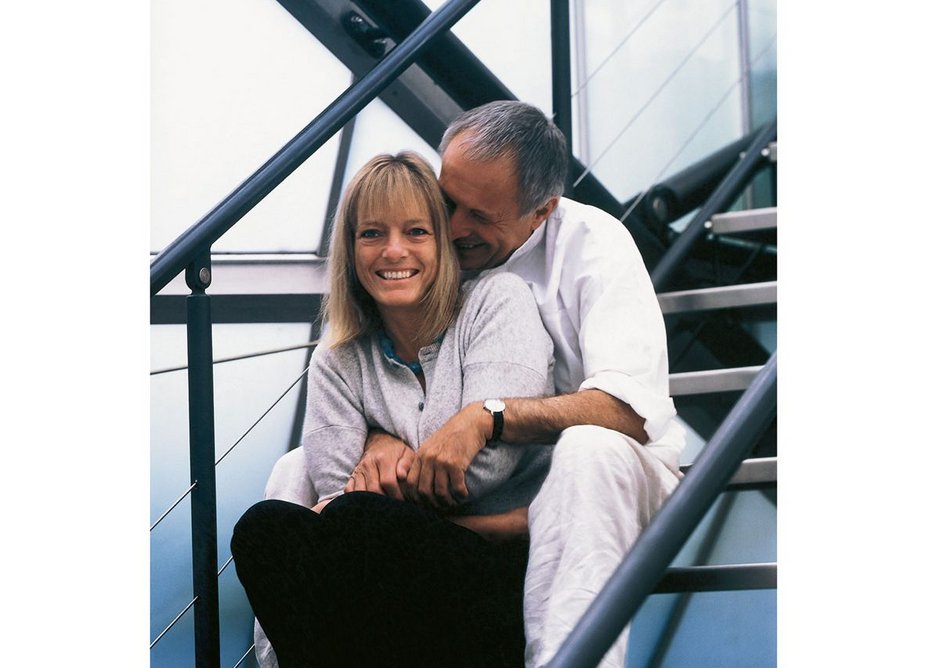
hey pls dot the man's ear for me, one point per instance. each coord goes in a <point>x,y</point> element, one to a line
<point>543,213</point>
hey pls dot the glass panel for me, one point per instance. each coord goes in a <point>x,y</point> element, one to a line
<point>380,130</point>
<point>662,88</point>
<point>763,60</point>
<point>763,76</point>
<point>232,82</point>
<point>512,39</point>
<point>244,390</point>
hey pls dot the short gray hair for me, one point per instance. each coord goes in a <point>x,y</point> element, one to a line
<point>519,130</point>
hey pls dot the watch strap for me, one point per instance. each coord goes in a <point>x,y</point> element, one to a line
<point>496,407</point>
<point>499,418</point>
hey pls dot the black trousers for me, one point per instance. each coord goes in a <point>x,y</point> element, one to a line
<point>379,583</point>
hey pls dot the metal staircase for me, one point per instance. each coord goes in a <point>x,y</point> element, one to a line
<point>723,381</point>
<point>755,473</point>
<point>745,428</point>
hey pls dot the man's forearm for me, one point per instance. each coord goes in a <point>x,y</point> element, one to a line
<point>541,420</point>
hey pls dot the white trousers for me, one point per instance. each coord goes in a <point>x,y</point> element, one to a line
<point>602,490</point>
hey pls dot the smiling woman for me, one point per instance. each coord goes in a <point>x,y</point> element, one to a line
<point>393,265</point>
<point>344,573</point>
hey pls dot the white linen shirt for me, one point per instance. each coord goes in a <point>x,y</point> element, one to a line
<point>597,302</point>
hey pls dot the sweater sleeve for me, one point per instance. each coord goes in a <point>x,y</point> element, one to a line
<point>334,429</point>
<point>507,353</point>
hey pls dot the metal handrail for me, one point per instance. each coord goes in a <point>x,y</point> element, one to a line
<point>729,188</point>
<point>689,188</point>
<point>198,238</point>
<point>660,542</point>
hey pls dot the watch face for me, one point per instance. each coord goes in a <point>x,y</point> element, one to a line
<point>494,405</point>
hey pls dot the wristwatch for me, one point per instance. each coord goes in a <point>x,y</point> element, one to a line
<point>497,408</point>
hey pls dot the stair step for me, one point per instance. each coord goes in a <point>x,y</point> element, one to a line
<point>733,222</point>
<point>715,380</point>
<point>756,473</point>
<point>730,577</point>
<point>730,296</point>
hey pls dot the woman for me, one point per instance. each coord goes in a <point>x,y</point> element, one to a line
<point>366,580</point>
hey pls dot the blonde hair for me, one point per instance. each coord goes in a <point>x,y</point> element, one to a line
<point>404,180</point>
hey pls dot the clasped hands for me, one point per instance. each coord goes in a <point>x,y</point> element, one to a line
<point>435,475</point>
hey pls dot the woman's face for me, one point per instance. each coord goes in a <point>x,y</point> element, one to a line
<point>396,256</point>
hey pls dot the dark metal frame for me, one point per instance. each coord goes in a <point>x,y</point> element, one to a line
<point>447,79</point>
<point>560,76</point>
<point>175,257</point>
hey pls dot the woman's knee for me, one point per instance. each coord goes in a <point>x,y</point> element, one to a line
<point>262,523</point>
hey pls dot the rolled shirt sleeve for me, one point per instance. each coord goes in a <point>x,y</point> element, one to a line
<point>622,336</point>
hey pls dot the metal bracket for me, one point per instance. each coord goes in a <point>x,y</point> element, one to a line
<point>199,273</point>
<point>371,38</point>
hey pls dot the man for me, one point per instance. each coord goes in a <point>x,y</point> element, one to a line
<point>617,443</point>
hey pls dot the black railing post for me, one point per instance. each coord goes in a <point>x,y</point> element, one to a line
<point>562,88</point>
<point>202,463</point>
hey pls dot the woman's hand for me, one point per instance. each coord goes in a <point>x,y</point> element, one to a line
<point>383,467</point>
<point>437,475</point>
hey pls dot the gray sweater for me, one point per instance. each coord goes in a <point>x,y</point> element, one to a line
<point>496,348</point>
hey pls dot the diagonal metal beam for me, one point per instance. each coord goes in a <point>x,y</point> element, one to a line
<point>200,236</point>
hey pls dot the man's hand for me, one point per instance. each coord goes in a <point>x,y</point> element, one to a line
<point>383,467</point>
<point>437,476</point>
<point>504,526</point>
<point>319,506</point>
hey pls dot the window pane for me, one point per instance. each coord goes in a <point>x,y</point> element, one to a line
<point>232,82</point>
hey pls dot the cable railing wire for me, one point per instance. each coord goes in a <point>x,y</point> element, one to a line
<point>256,422</point>
<point>191,487</point>
<point>654,95</point>
<point>173,623</point>
<point>225,565</point>
<point>245,356</point>
<point>693,135</point>
<point>627,37</point>
<point>246,655</point>
<point>263,415</point>
<point>170,509</point>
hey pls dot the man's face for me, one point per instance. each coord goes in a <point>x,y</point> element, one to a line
<point>485,221</point>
